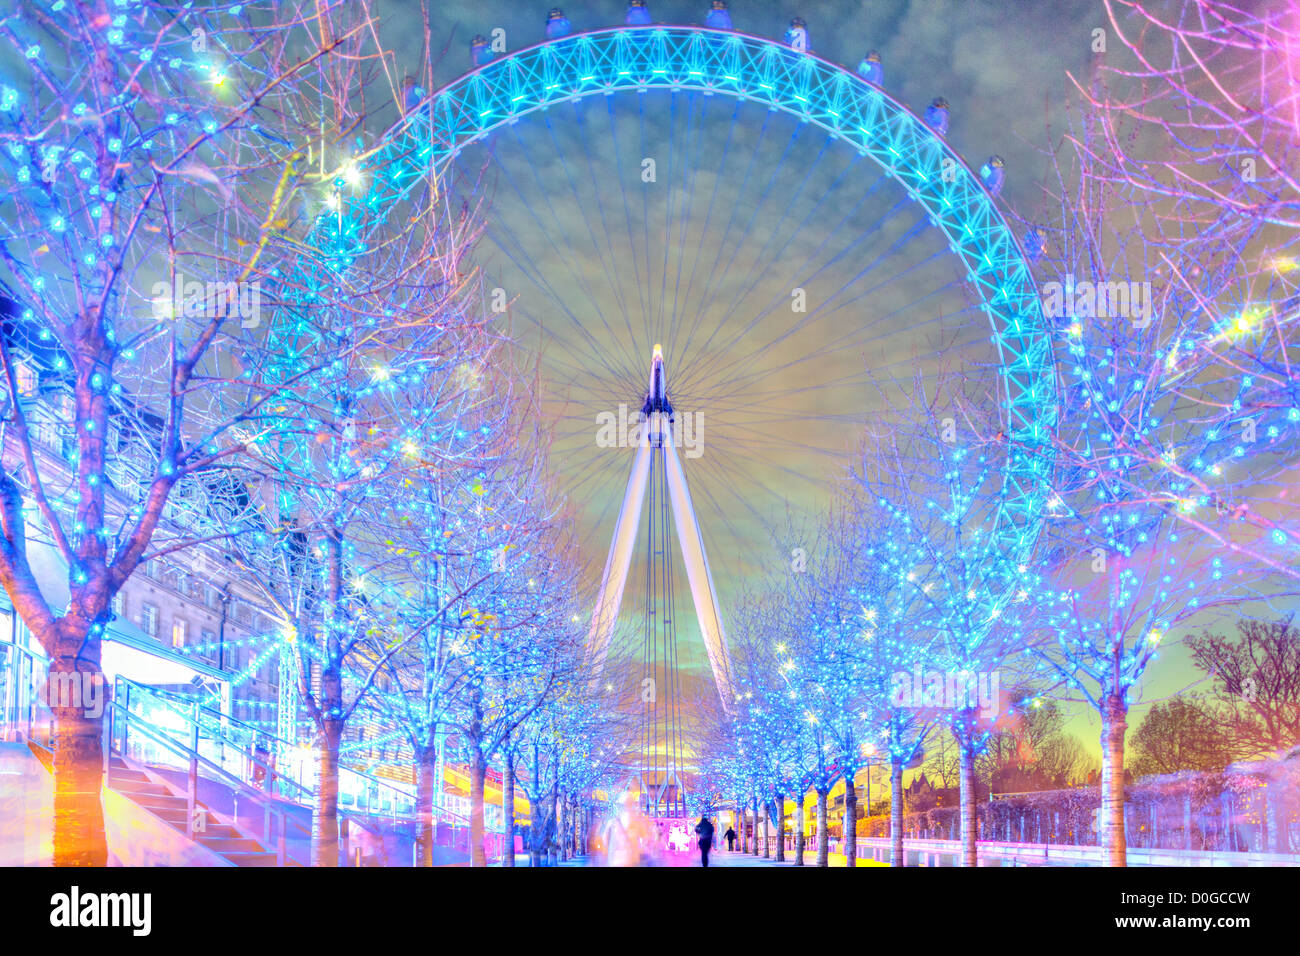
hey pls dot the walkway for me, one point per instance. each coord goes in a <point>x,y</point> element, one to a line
<point>716,859</point>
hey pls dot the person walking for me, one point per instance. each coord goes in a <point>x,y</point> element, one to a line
<point>731,839</point>
<point>704,829</point>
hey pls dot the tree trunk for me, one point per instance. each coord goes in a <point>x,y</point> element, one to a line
<point>823,834</point>
<point>477,773</point>
<point>78,771</point>
<point>426,768</point>
<point>508,810</point>
<point>562,828</point>
<point>755,847</point>
<point>850,828</point>
<point>571,840</point>
<point>328,714</point>
<point>800,837</point>
<point>966,771</point>
<point>780,828</point>
<point>744,832</point>
<point>325,821</point>
<point>536,831</point>
<point>554,817</point>
<point>1113,725</point>
<point>767,831</point>
<point>896,857</point>
<point>1275,794</point>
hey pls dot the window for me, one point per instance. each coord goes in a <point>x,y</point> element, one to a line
<point>119,604</point>
<point>28,380</point>
<point>149,619</point>
<point>180,630</point>
<point>45,430</point>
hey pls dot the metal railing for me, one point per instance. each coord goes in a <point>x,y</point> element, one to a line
<point>122,723</point>
<point>232,743</point>
<point>198,740</point>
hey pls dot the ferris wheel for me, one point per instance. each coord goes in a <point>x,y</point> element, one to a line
<point>776,231</point>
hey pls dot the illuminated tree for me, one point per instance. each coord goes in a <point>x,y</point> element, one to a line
<point>761,728</point>
<point>893,639</point>
<point>829,633</point>
<point>334,555</point>
<point>793,714</point>
<point>519,621</point>
<point>940,485</point>
<point>341,540</point>
<point>1199,108</point>
<point>564,751</point>
<point>152,182</point>
<point>1171,436</point>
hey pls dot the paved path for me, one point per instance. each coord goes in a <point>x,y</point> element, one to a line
<point>745,859</point>
<point>716,859</point>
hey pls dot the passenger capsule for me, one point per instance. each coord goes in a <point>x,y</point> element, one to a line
<point>411,94</point>
<point>557,24</point>
<point>993,174</point>
<point>718,17</point>
<point>1035,245</point>
<point>638,14</point>
<point>871,70</point>
<point>797,36</point>
<point>480,51</point>
<point>936,116</point>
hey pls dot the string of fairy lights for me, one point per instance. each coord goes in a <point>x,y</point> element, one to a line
<point>1166,433</point>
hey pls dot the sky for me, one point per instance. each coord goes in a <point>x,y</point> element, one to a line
<point>746,205</point>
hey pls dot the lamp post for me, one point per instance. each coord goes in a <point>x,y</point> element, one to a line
<point>870,753</point>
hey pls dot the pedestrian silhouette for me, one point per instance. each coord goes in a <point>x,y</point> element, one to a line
<point>731,839</point>
<point>705,831</point>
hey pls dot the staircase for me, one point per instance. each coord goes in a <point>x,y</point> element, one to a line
<point>197,772</point>
<point>177,803</point>
<point>165,801</point>
<point>171,805</point>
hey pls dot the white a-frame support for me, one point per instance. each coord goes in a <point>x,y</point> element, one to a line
<point>656,438</point>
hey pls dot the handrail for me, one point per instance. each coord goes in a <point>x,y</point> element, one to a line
<point>187,703</point>
<point>182,751</point>
<point>185,709</point>
<point>270,806</point>
<point>193,708</point>
<point>121,719</point>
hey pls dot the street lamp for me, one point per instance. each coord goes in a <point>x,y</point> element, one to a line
<point>869,751</point>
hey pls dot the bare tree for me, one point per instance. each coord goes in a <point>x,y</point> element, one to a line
<point>1256,683</point>
<point>1161,506</point>
<point>151,197</point>
<point>1178,734</point>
